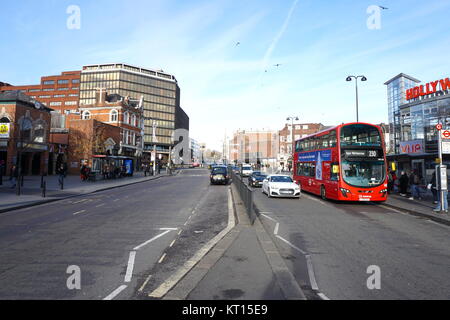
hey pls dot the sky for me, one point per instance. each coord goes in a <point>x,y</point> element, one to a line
<point>223,53</point>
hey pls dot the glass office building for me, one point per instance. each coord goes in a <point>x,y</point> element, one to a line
<point>396,90</point>
<point>415,130</point>
<point>160,92</point>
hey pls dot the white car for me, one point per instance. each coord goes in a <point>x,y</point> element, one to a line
<point>246,170</point>
<point>280,186</point>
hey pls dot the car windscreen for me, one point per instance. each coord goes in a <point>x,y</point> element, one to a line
<point>247,168</point>
<point>219,170</point>
<point>257,173</point>
<point>280,179</point>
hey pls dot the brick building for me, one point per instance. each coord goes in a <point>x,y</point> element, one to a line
<point>110,131</point>
<point>24,133</point>
<point>60,93</point>
<point>254,147</point>
<point>285,138</point>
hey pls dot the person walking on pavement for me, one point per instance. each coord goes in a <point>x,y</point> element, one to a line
<point>404,181</point>
<point>433,187</point>
<point>14,175</point>
<point>415,180</point>
<point>62,174</point>
<point>445,194</point>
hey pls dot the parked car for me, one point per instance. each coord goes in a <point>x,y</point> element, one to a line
<point>246,170</point>
<point>256,179</point>
<point>220,175</point>
<point>195,165</point>
<point>280,186</point>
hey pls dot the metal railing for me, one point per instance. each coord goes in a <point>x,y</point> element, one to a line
<point>246,195</point>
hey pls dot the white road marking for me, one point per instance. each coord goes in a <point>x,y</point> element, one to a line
<point>162,258</point>
<point>268,217</point>
<point>144,284</point>
<point>151,240</point>
<point>115,292</point>
<point>116,200</point>
<point>171,245</point>
<point>179,232</point>
<point>100,205</point>
<point>437,223</point>
<point>80,201</point>
<point>130,266</point>
<point>171,229</point>
<point>78,212</point>
<point>312,277</point>
<point>322,296</point>
<point>293,246</point>
<point>275,231</point>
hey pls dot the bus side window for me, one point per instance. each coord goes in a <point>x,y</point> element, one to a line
<point>334,171</point>
<point>312,170</point>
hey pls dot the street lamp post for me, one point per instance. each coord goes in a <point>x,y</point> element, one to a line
<point>292,118</point>
<point>363,78</point>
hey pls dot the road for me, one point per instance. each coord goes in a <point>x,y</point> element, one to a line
<point>125,241</point>
<point>329,247</point>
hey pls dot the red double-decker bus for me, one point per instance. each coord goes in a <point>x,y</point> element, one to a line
<point>347,162</point>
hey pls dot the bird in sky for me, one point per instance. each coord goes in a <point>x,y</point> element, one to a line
<point>237,43</point>
<point>277,65</point>
<point>384,8</point>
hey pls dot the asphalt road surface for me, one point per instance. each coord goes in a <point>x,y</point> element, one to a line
<point>334,248</point>
<point>124,241</point>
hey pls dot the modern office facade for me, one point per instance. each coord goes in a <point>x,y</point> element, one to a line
<point>160,93</point>
<point>396,93</point>
<point>421,108</point>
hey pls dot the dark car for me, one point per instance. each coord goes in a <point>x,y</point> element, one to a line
<point>219,175</point>
<point>256,179</point>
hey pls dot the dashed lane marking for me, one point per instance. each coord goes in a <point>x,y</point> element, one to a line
<point>130,266</point>
<point>115,292</point>
<point>78,212</point>
<point>144,284</point>
<point>162,258</point>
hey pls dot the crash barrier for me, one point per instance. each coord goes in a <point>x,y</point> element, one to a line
<point>246,195</point>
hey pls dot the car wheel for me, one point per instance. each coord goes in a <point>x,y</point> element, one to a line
<point>323,193</point>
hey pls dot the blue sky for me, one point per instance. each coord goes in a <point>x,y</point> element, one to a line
<point>318,43</point>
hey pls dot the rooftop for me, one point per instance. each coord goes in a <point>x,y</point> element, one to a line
<point>404,75</point>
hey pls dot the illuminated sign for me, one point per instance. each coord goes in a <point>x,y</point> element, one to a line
<point>429,88</point>
<point>4,130</point>
<point>411,147</point>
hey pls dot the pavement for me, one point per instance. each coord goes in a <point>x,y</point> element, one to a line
<point>423,207</point>
<point>31,193</point>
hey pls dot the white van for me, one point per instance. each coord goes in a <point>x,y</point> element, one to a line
<point>246,170</point>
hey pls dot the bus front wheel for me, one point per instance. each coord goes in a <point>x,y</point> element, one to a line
<point>323,193</point>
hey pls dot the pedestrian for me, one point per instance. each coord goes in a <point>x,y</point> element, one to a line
<point>415,181</point>
<point>13,176</point>
<point>394,181</point>
<point>445,197</point>
<point>105,171</point>
<point>61,174</point>
<point>404,181</point>
<point>83,172</point>
<point>390,182</point>
<point>433,187</point>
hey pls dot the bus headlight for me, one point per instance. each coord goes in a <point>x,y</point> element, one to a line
<point>344,192</point>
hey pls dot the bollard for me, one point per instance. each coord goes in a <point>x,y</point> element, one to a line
<point>21,180</point>
<point>42,181</point>
<point>62,183</point>
<point>44,187</point>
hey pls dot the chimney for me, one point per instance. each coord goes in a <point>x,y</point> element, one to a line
<point>100,96</point>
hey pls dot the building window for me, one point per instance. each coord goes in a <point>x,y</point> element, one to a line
<point>75,81</point>
<point>71,103</point>
<point>49,82</point>
<point>86,115</point>
<point>44,97</point>
<point>39,133</point>
<point>63,89</point>
<point>126,117</point>
<point>53,104</point>
<point>113,116</point>
<point>305,127</point>
<point>59,96</point>
<point>63,81</point>
<point>25,129</point>
<point>133,120</point>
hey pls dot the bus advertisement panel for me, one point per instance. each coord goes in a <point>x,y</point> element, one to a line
<point>346,163</point>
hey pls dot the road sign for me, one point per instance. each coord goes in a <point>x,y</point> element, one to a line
<point>445,134</point>
<point>446,147</point>
<point>439,126</point>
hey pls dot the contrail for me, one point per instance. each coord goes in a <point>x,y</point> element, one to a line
<point>274,43</point>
